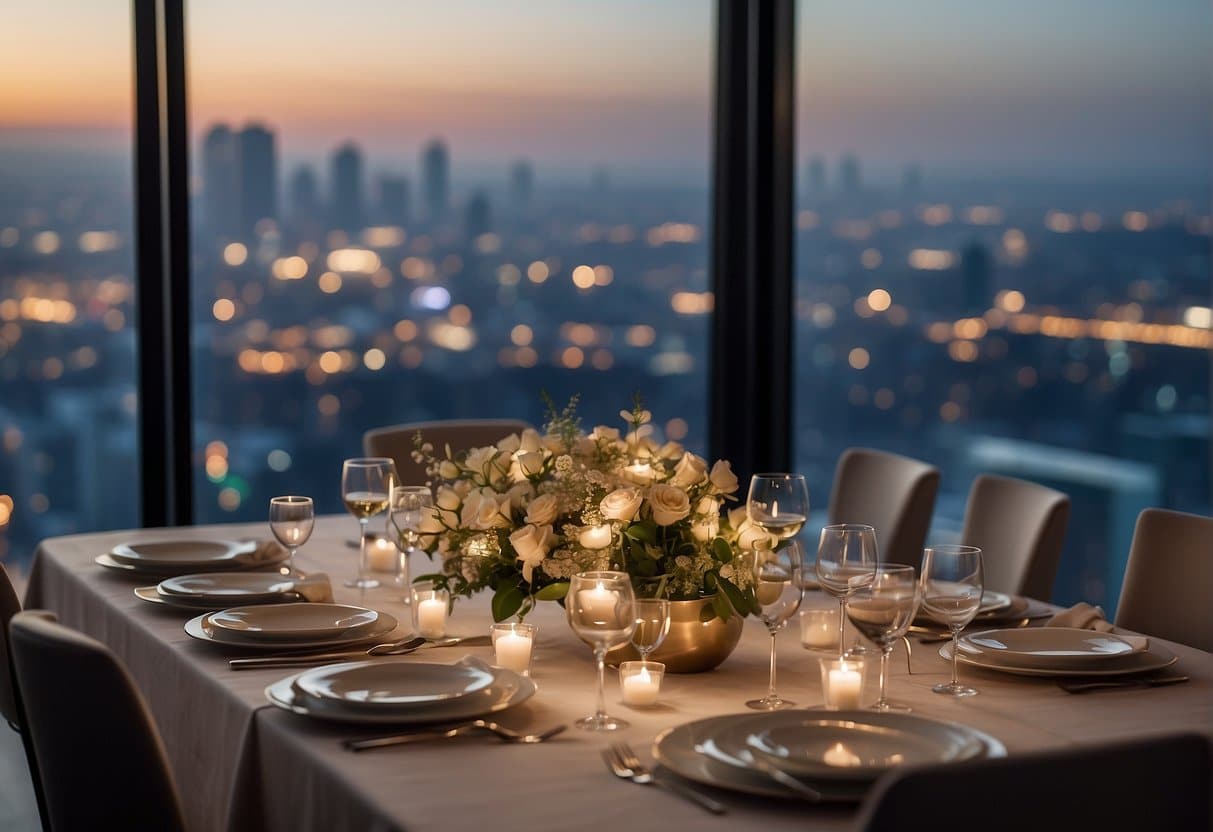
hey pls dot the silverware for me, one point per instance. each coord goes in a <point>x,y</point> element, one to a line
<point>1114,684</point>
<point>624,764</point>
<point>784,779</point>
<point>396,648</point>
<point>393,648</point>
<point>504,734</point>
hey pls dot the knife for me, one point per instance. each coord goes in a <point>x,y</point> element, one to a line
<point>1113,684</point>
<point>327,658</point>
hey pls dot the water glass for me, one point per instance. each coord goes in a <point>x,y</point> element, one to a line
<point>952,582</point>
<point>778,590</point>
<point>366,487</point>
<point>778,504</point>
<point>291,521</point>
<point>410,505</point>
<point>601,611</point>
<point>652,625</point>
<point>882,611</point>
<point>846,561</point>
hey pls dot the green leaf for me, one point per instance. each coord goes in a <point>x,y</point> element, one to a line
<point>506,602</point>
<point>645,531</point>
<point>736,597</point>
<point>721,606</point>
<point>711,580</point>
<point>721,550</point>
<point>553,592</point>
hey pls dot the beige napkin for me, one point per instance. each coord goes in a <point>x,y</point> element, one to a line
<point>1082,616</point>
<point>315,588</point>
<point>267,551</point>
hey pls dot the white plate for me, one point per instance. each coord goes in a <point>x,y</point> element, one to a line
<point>158,573</point>
<point>853,745</point>
<point>1155,657</point>
<point>177,553</point>
<point>511,689</point>
<point>1059,648</point>
<point>200,628</point>
<point>691,751</point>
<point>301,621</point>
<point>233,586</point>
<point>992,601</point>
<point>378,686</point>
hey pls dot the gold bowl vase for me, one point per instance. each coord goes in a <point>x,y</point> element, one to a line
<point>698,640</point>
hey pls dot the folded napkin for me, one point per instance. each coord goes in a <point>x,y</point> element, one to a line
<point>267,551</point>
<point>1082,616</point>
<point>315,588</point>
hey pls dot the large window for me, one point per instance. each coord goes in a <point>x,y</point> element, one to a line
<point>67,391</point>
<point>419,211</point>
<point>1003,253</point>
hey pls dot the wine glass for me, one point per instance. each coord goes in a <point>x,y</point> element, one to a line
<point>882,611</point>
<point>778,589</point>
<point>366,484</point>
<point>846,561</point>
<point>409,506</point>
<point>952,583</point>
<point>652,625</point>
<point>601,610</point>
<point>778,503</point>
<point>291,521</point>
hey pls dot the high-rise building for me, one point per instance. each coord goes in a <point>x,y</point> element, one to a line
<point>220,182</point>
<point>436,179</point>
<point>848,175</point>
<point>393,208</point>
<point>975,268</point>
<point>345,184</point>
<point>522,183</point>
<point>478,219</point>
<point>815,178</point>
<point>304,196</point>
<point>258,176</point>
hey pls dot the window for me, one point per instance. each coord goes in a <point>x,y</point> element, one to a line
<point>1003,238</point>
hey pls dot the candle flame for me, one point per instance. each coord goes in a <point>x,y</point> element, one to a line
<point>775,508</point>
<point>643,675</point>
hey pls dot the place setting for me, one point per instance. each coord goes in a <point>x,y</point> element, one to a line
<point>219,590</point>
<point>158,559</point>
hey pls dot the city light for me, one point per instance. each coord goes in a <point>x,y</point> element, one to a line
<point>583,277</point>
<point>521,335</point>
<point>234,254</point>
<point>693,303</point>
<point>1198,317</point>
<point>537,272</point>
<point>879,299</point>
<point>1135,220</point>
<point>928,259</point>
<point>353,261</point>
<point>859,358</point>
<point>94,242</point>
<point>223,310</point>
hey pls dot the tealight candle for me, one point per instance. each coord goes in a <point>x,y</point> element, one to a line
<point>429,612</point>
<point>598,603</point>
<point>819,629</point>
<point>512,646</point>
<point>595,537</point>
<point>381,556</point>
<point>841,756</point>
<point>639,472</point>
<point>842,682</point>
<point>640,682</point>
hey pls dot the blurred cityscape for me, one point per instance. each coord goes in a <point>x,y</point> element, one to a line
<point>1060,332</point>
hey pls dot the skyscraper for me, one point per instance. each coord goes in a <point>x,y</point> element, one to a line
<point>304,196</point>
<point>478,219</point>
<point>393,208</point>
<point>975,268</point>
<point>258,176</point>
<point>436,179</point>
<point>345,184</point>
<point>522,183</point>
<point>816,176</point>
<point>848,174</point>
<point>220,182</point>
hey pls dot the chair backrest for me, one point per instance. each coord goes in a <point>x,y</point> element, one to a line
<point>1020,528</point>
<point>1155,783</point>
<point>1168,586</point>
<point>396,441</point>
<point>10,605</point>
<point>893,494</point>
<point>99,754</point>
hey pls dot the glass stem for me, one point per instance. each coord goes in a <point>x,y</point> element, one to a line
<point>290,559</point>
<point>885,651</point>
<point>600,711</point>
<point>842,626</point>
<point>771,684</point>
<point>362,550</point>
<point>955,654</point>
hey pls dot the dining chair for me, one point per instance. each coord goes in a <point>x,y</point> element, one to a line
<point>10,702</point>
<point>99,754</point>
<point>893,494</point>
<point>396,441</point>
<point>1020,528</point>
<point>1168,586</point>
<point>1153,783</point>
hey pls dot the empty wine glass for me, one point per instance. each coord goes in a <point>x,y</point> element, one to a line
<point>882,611</point>
<point>652,625</point>
<point>952,583</point>
<point>366,484</point>
<point>410,505</point>
<point>291,521</point>
<point>778,589</point>
<point>601,610</point>
<point>846,561</point>
<point>778,504</point>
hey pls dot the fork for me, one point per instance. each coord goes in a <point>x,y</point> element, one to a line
<point>624,764</point>
<point>507,735</point>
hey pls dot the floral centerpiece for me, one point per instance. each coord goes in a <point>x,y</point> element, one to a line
<point>522,516</point>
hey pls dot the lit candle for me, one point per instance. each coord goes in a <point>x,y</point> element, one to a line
<point>841,756</point>
<point>514,651</point>
<point>598,603</point>
<point>596,537</point>
<point>431,617</point>
<point>381,555</point>
<point>819,629</point>
<point>639,472</point>
<point>844,686</point>
<point>640,687</point>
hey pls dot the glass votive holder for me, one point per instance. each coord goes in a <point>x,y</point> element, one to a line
<point>513,646</point>
<point>819,630</point>
<point>640,683</point>
<point>842,682</point>
<point>381,554</point>
<point>429,610</point>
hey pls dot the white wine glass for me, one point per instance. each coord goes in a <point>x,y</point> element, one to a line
<point>652,625</point>
<point>846,561</point>
<point>601,611</point>
<point>409,506</point>
<point>778,590</point>
<point>882,611</point>
<point>778,504</point>
<point>291,520</point>
<point>366,486</point>
<point>952,583</point>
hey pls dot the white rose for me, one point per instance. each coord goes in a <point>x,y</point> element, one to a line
<point>542,510</point>
<point>669,503</point>
<point>531,545</point>
<point>447,499</point>
<point>585,446</point>
<point>706,524</point>
<point>463,488</point>
<point>603,432</point>
<point>722,477</point>
<point>737,516</point>
<point>431,522</point>
<point>529,441</point>
<point>479,459</point>
<point>554,444</point>
<point>530,463</point>
<point>448,470</point>
<point>510,444</point>
<point>690,470</point>
<point>621,504</point>
<point>670,450</point>
<point>749,536</point>
<point>520,495</point>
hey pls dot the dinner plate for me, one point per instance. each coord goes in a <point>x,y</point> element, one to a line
<point>511,689</point>
<point>301,621</point>
<point>691,751</point>
<point>148,571</point>
<point>992,601</point>
<point>855,745</point>
<point>1154,657</point>
<point>396,685</point>
<point>178,553</point>
<point>1061,648</point>
<point>199,627</point>
<point>233,586</point>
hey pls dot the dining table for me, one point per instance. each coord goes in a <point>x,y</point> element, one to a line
<point>241,763</point>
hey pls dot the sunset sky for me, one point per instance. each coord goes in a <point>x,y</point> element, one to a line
<point>1110,87</point>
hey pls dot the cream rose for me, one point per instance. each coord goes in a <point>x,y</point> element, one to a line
<point>690,470</point>
<point>530,463</point>
<point>510,444</point>
<point>669,503</point>
<point>520,495</point>
<point>530,441</point>
<point>722,477</point>
<point>478,459</point>
<point>621,504</point>
<point>749,535</point>
<point>542,510</point>
<point>670,450</point>
<point>531,545</point>
<point>448,470</point>
<point>706,524</point>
